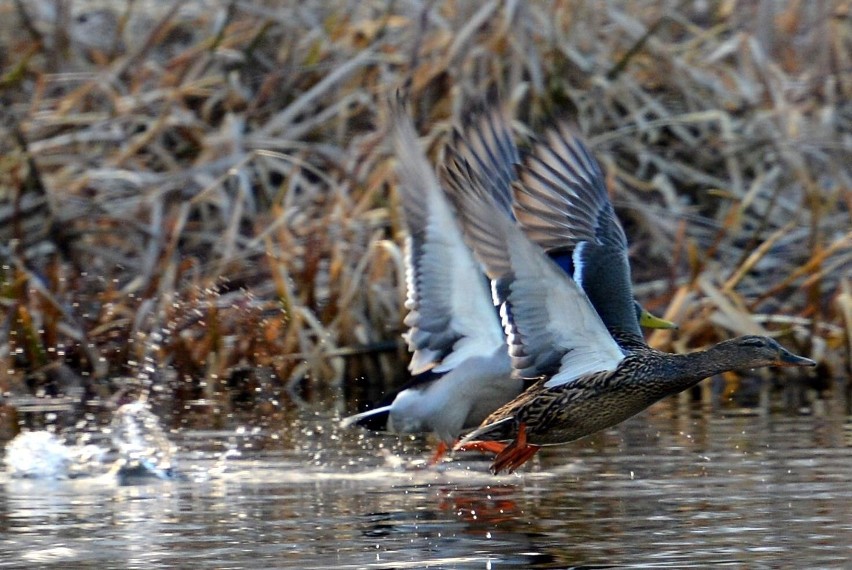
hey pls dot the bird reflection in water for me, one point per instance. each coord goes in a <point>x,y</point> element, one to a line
<point>486,504</point>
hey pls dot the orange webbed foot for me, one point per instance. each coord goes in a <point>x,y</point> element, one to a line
<point>515,454</point>
<point>440,451</point>
<point>483,446</point>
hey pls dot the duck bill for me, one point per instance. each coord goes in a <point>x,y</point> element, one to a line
<point>649,321</point>
<point>790,359</point>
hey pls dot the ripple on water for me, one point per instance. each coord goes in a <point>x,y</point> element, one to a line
<point>655,492</point>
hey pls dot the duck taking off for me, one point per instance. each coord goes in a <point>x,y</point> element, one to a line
<point>586,381</point>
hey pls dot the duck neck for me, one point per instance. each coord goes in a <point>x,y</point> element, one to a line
<point>682,371</point>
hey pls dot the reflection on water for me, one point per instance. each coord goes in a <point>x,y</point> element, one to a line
<point>658,491</point>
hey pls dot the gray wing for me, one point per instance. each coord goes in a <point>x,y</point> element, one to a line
<point>552,328</point>
<point>484,153</point>
<point>562,203</point>
<point>562,199</point>
<point>451,315</point>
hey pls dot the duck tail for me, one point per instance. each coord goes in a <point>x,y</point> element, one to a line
<point>494,431</point>
<point>375,419</point>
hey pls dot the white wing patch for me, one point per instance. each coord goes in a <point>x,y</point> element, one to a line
<point>577,260</point>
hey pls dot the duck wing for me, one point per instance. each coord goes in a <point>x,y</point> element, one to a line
<point>484,150</point>
<point>551,327</point>
<point>451,314</point>
<point>562,203</point>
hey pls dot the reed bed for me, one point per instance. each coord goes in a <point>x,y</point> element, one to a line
<point>197,201</point>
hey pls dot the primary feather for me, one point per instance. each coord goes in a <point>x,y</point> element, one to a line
<point>550,329</point>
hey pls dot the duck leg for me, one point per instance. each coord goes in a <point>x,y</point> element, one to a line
<point>440,451</point>
<point>516,453</point>
<point>483,446</point>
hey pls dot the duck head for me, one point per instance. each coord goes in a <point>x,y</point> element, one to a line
<point>754,351</point>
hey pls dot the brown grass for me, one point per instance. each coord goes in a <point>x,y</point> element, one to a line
<point>196,197</point>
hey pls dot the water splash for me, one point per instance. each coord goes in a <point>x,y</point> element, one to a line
<point>140,450</point>
<point>42,455</point>
<point>143,447</point>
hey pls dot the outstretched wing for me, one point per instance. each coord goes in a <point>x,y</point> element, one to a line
<point>562,199</point>
<point>562,203</point>
<point>484,153</point>
<point>552,328</point>
<point>451,315</point>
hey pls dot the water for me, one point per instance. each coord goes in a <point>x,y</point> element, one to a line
<point>661,491</point>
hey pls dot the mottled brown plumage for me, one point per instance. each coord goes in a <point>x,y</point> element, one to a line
<point>559,414</point>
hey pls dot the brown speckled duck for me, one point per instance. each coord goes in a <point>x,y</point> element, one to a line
<point>586,380</point>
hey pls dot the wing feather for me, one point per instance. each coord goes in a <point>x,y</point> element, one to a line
<point>552,328</point>
<point>561,199</point>
<point>562,203</point>
<point>451,315</point>
<point>484,153</point>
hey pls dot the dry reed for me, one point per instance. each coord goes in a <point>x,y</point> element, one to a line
<point>196,197</point>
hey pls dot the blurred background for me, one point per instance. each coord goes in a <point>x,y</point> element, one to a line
<point>197,200</point>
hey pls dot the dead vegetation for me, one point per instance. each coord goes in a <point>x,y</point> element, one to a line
<point>197,196</point>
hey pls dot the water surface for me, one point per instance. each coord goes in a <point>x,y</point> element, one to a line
<point>662,490</point>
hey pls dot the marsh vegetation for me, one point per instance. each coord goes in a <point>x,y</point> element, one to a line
<point>197,199</point>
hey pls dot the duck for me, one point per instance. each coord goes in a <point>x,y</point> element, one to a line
<point>576,226</point>
<point>586,376</point>
<point>461,371</point>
